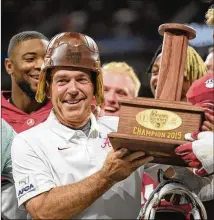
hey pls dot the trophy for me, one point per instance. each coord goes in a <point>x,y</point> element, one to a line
<point>157,126</point>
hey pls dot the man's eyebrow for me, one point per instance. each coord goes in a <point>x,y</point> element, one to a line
<point>122,90</point>
<point>29,53</point>
<point>84,74</point>
<point>106,87</point>
<point>58,76</point>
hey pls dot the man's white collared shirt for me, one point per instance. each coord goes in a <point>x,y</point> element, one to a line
<point>51,155</point>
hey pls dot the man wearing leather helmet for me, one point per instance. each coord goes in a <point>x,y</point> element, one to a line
<point>64,168</point>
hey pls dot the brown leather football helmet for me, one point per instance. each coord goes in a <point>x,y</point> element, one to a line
<point>72,50</point>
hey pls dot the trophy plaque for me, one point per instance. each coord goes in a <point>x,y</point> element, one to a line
<point>157,126</point>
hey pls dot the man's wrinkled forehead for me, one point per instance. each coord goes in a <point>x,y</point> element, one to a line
<point>70,69</point>
<point>58,72</point>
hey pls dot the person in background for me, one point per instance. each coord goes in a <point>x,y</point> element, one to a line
<point>190,76</point>
<point>26,53</point>
<point>67,171</point>
<point>200,73</point>
<point>20,110</point>
<point>120,81</point>
<point>9,204</point>
<point>195,68</point>
<point>198,152</point>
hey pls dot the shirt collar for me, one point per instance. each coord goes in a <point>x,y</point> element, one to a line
<point>69,133</point>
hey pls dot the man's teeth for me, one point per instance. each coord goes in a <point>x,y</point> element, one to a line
<point>73,101</point>
<point>108,108</point>
<point>35,77</point>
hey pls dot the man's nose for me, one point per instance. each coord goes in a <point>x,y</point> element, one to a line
<point>72,87</point>
<point>39,63</point>
<point>111,97</point>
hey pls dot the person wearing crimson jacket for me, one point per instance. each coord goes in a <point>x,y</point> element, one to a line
<point>26,53</point>
<point>198,153</point>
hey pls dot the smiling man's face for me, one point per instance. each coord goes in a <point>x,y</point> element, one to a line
<point>71,93</point>
<point>116,86</point>
<point>25,64</point>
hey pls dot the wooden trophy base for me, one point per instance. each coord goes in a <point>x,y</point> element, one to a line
<point>156,127</point>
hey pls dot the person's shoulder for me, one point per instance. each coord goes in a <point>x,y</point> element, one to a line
<point>109,122</point>
<point>7,132</point>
